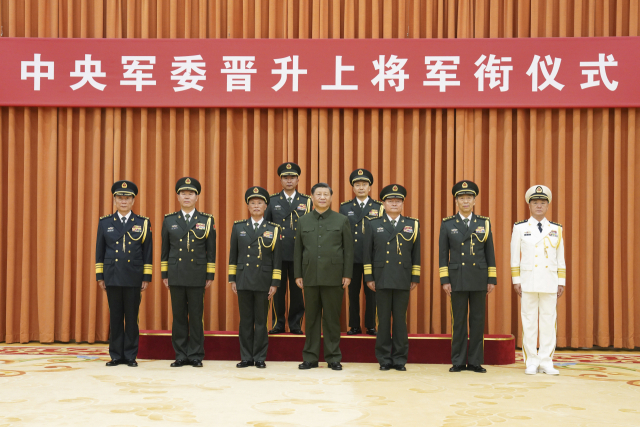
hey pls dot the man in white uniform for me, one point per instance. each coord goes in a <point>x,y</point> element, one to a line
<point>539,273</point>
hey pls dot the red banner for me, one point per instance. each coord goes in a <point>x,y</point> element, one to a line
<point>390,73</point>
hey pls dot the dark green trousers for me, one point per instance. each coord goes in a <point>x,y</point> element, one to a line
<point>473,304</point>
<point>392,348</point>
<point>322,306</point>
<point>254,338</point>
<point>187,334</point>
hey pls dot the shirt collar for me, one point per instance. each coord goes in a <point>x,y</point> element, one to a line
<point>397,219</point>
<point>463,217</point>
<point>127,216</point>
<point>534,221</point>
<point>365,201</point>
<point>293,196</point>
<point>253,223</point>
<point>188,213</point>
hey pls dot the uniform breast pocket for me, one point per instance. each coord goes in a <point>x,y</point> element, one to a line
<point>333,229</point>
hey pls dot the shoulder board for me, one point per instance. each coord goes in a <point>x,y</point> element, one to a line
<point>373,218</point>
<point>106,216</point>
<point>344,203</point>
<point>555,223</point>
<point>274,194</point>
<point>141,216</point>
<point>377,201</point>
<point>172,213</point>
<point>482,217</point>
<point>305,195</point>
<point>274,224</point>
<point>415,219</point>
<point>448,218</point>
<point>206,214</point>
<point>239,221</point>
<point>521,222</point>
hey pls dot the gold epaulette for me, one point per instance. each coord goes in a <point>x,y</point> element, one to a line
<point>274,224</point>
<point>377,201</point>
<point>172,213</point>
<point>274,194</point>
<point>521,222</point>
<point>239,221</point>
<point>415,219</point>
<point>344,203</point>
<point>373,218</point>
<point>206,214</point>
<point>305,195</point>
<point>555,223</point>
<point>106,216</point>
<point>481,217</point>
<point>448,218</point>
<point>142,216</point>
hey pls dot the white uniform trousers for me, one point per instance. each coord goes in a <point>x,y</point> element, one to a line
<point>538,309</point>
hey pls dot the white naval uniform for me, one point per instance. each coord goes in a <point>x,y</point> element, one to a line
<point>537,264</point>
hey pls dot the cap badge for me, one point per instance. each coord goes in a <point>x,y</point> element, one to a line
<point>255,190</point>
<point>395,188</point>
<point>538,189</point>
<point>187,181</point>
<point>124,185</point>
<point>288,165</point>
<point>465,185</point>
<point>360,172</point>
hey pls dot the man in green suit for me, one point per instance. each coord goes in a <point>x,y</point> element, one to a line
<point>323,265</point>
<point>255,258</point>
<point>392,270</point>
<point>188,266</point>
<point>467,275</point>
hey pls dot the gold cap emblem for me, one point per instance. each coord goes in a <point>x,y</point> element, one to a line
<point>465,185</point>
<point>288,165</point>
<point>255,190</point>
<point>124,185</point>
<point>187,181</point>
<point>395,188</point>
<point>538,189</point>
<point>360,172</point>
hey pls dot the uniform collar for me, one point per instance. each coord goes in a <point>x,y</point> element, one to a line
<point>358,202</point>
<point>293,196</point>
<point>127,216</point>
<point>324,214</point>
<point>534,221</point>
<point>188,213</point>
<point>397,219</point>
<point>254,222</point>
<point>463,218</point>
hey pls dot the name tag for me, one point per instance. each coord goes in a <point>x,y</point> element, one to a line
<point>136,229</point>
<point>277,207</point>
<point>351,213</point>
<point>527,234</point>
<point>267,235</point>
<point>454,231</point>
<point>380,229</point>
<point>200,226</point>
<point>110,229</point>
<point>407,229</point>
<point>243,233</point>
<point>373,212</point>
<point>302,207</point>
<point>174,226</point>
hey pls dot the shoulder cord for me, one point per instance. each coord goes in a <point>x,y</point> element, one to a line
<point>142,235</point>
<point>546,238</point>
<point>271,246</point>
<point>204,235</point>
<point>484,239</point>
<point>413,237</point>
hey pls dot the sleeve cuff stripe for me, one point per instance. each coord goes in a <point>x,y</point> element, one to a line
<point>492,275</point>
<point>444,274</point>
<point>163,268</point>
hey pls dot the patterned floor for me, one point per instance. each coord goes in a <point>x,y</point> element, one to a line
<point>69,385</point>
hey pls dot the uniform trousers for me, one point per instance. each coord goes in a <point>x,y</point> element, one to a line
<point>354,300</point>
<point>392,348</point>
<point>124,303</point>
<point>538,311</point>
<point>296,302</point>
<point>253,334</point>
<point>323,307</point>
<point>471,303</point>
<point>187,334</point>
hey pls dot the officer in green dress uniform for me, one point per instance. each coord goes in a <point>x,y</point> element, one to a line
<point>392,270</point>
<point>124,256</point>
<point>188,267</point>
<point>255,258</point>
<point>356,210</point>
<point>285,209</point>
<point>323,265</point>
<point>467,275</point>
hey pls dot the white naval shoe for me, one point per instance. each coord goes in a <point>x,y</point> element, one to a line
<point>548,369</point>
<point>531,370</point>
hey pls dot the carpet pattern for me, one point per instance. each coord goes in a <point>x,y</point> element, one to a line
<point>70,385</point>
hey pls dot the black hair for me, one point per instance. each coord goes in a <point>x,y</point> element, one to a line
<point>321,185</point>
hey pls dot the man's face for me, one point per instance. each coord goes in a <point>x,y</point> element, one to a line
<point>361,189</point>
<point>289,182</point>
<point>393,205</point>
<point>321,198</point>
<point>466,202</point>
<point>256,206</point>
<point>123,203</point>
<point>187,199</point>
<point>539,207</point>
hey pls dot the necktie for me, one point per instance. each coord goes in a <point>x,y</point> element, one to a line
<point>540,226</point>
<point>393,223</point>
<point>361,205</point>
<point>124,220</point>
<point>255,226</point>
<point>186,218</point>
<point>289,199</point>
<point>466,222</point>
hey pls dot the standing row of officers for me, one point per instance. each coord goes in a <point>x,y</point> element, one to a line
<point>296,243</point>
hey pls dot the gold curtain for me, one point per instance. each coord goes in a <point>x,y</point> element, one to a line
<point>57,164</point>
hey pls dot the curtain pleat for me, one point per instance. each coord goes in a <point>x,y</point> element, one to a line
<point>57,165</point>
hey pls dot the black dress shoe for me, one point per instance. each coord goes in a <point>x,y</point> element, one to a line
<point>476,368</point>
<point>399,368</point>
<point>372,331</point>
<point>385,367</point>
<point>457,368</point>
<point>335,366</point>
<point>132,363</point>
<point>276,331</point>
<point>244,363</point>
<point>114,362</point>
<point>178,363</point>
<point>196,363</point>
<point>260,364</point>
<point>308,365</point>
<point>354,331</point>
<point>297,331</point>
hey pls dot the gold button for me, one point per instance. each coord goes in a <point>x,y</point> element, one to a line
<point>129,242</point>
<point>181,240</point>
<point>282,221</point>
<point>474,263</point>
<point>192,250</point>
<point>116,259</point>
<point>356,232</point>
<point>536,265</point>
<point>257,266</point>
<point>463,263</point>
<point>248,247</point>
<point>128,260</point>
<point>387,262</point>
<point>546,266</point>
<point>356,240</point>
<point>181,250</point>
<point>462,253</point>
<point>387,243</point>
<point>192,240</point>
<point>117,242</point>
<point>400,244</point>
<point>387,251</point>
<point>248,256</point>
<point>247,264</point>
<point>116,251</point>
<point>463,244</point>
<point>191,260</point>
<point>536,256</point>
<point>400,262</point>
<point>179,259</point>
<point>129,251</point>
